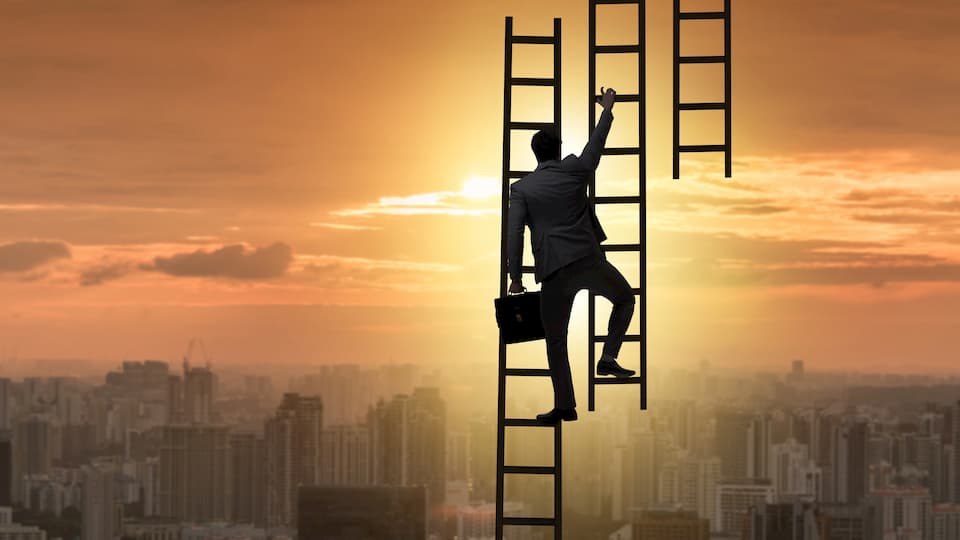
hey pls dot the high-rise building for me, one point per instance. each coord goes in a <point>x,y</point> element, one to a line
<point>345,455</point>
<point>14,531</point>
<point>793,472</point>
<point>362,513</point>
<point>408,442</point>
<point>731,441</point>
<point>668,525</point>
<point>847,521</point>
<point>248,455</point>
<point>293,439</point>
<point>758,446</point>
<point>734,499</point>
<point>795,520</point>
<point>175,414</point>
<point>428,443</point>
<point>690,484</point>
<point>483,464</point>
<point>34,438</point>
<point>850,462</point>
<point>902,513</point>
<point>6,468</point>
<point>199,386</point>
<point>946,522</point>
<point>102,509</point>
<point>458,456</point>
<point>5,402</point>
<point>195,483</point>
<point>191,398</point>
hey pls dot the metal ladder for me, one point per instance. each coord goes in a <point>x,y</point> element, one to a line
<point>724,105</point>
<point>639,200</point>
<point>509,81</point>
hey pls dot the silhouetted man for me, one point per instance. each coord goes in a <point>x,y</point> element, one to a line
<point>566,236</point>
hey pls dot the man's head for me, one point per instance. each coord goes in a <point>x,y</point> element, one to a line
<point>546,145</point>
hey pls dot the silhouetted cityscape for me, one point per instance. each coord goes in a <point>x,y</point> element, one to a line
<point>154,451</point>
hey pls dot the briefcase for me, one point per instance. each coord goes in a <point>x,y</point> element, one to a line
<point>518,316</point>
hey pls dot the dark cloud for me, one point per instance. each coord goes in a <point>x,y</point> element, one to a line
<point>718,260</point>
<point>229,261</point>
<point>101,273</point>
<point>28,254</point>
<point>756,209</point>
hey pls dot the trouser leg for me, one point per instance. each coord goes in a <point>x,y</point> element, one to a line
<point>609,283</point>
<point>555,305</point>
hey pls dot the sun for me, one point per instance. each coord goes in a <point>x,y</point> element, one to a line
<point>480,187</point>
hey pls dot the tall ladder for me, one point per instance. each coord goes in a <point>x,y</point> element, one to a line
<point>509,81</point>
<point>640,200</point>
<point>712,106</point>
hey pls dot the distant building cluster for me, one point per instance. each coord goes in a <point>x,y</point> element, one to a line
<point>388,452</point>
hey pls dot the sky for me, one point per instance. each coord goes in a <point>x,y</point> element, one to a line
<point>318,182</point>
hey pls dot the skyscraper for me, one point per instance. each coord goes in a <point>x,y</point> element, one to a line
<point>667,525</point>
<point>362,513</point>
<point>345,455</point>
<point>101,508</point>
<point>247,456</point>
<point>731,440</point>
<point>195,483</point>
<point>293,454</point>
<point>198,394</point>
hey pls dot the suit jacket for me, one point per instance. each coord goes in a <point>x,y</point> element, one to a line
<point>552,201</point>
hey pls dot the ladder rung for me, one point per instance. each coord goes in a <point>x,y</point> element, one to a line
<point>615,49</point>
<point>527,269</point>
<point>689,15</point>
<point>615,380</point>
<point>527,372</point>
<point>540,40</point>
<point>628,337</point>
<point>533,81</point>
<point>620,199</point>
<point>703,59</point>
<point>627,151</point>
<point>621,247</point>
<point>526,469</point>
<point>637,290</point>
<point>704,148</point>
<point>703,106</point>
<point>526,422</point>
<point>517,174</point>
<point>625,98</point>
<point>532,125</point>
<point>544,522</point>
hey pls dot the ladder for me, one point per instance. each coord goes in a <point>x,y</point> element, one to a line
<point>509,81</point>
<point>712,106</point>
<point>639,200</point>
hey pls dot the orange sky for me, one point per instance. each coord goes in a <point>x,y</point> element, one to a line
<point>299,181</point>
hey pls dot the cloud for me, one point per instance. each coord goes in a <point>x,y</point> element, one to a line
<point>232,261</point>
<point>344,226</point>
<point>756,209</point>
<point>29,254</point>
<point>698,259</point>
<point>97,275</point>
<point>450,203</point>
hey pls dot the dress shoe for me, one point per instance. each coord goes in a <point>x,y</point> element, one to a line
<point>608,366</point>
<point>555,415</point>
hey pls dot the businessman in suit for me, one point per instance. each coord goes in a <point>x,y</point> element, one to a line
<point>566,235</point>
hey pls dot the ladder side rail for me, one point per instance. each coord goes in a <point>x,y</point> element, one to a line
<point>504,200</point>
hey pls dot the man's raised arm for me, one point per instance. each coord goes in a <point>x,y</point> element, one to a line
<point>590,157</point>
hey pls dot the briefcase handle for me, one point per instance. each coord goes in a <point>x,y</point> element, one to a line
<point>516,293</point>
